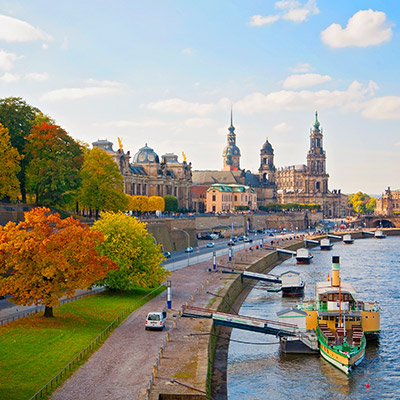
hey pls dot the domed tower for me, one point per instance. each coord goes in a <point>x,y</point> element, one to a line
<point>316,160</point>
<point>231,153</point>
<point>148,160</point>
<point>266,171</point>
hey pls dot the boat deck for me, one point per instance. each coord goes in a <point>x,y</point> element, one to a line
<point>336,339</point>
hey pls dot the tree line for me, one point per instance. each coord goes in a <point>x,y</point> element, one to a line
<point>41,163</point>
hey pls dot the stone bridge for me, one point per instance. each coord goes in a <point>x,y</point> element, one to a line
<point>376,221</point>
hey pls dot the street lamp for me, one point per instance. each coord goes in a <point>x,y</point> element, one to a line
<point>188,239</point>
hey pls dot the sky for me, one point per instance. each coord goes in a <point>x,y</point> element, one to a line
<point>167,73</point>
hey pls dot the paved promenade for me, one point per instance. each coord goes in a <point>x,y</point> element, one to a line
<point>122,367</point>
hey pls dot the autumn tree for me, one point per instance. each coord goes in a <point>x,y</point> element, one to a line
<point>156,203</point>
<point>128,243</point>
<point>45,258</point>
<point>18,117</point>
<point>138,203</point>
<point>9,167</point>
<point>54,163</point>
<point>362,203</point>
<point>171,203</point>
<point>101,183</point>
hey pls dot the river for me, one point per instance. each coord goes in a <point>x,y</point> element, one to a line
<point>260,371</point>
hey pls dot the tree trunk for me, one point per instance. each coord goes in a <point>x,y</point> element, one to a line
<point>48,312</point>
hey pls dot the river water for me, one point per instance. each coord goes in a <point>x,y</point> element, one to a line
<point>260,371</point>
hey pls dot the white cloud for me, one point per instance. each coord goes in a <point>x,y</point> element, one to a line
<point>259,20</point>
<point>9,78</point>
<point>7,60</point>
<point>101,88</point>
<point>364,28</point>
<point>199,122</point>
<point>178,106</point>
<point>304,99</point>
<point>130,124</point>
<point>37,76</point>
<point>304,80</point>
<point>16,30</point>
<point>301,67</point>
<point>282,127</point>
<point>45,46</point>
<point>386,107</point>
<point>291,10</point>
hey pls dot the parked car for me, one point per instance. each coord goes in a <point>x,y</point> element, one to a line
<point>155,320</point>
<point>189,250</point>
<point>247,240</point>
<point>210,244</point>
<point>233,239</point>
<point>241,238</point>
<point>231,243</point>
<point>167,254</point>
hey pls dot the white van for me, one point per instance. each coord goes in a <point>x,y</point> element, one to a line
<point>155,320</point>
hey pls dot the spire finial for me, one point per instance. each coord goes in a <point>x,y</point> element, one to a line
<point>231,114</point>
<point>316,123</point>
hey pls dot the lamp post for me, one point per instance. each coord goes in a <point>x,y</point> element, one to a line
<point>188,241</point>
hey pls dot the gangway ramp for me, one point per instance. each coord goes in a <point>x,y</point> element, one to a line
<point>276,328</point>
<point>254,275</point>
<point>310,241</point>
<point>368,233</point>
<point>335,237</point>
<point>281,251</point>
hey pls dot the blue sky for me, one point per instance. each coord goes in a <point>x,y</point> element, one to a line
<point>166,73</point>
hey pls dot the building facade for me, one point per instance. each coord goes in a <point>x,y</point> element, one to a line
<point>389,204</point>
<point>292,184</point>
<point>228,198</point>
<point>147,175</point>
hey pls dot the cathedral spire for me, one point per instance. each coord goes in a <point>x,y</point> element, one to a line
<point>316,123</point>
<point>231,116</point>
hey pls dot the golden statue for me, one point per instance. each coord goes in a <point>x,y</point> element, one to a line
<point>184,156</point>
<point>120,143</point>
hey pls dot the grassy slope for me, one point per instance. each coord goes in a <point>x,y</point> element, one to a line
<point>34,349</point>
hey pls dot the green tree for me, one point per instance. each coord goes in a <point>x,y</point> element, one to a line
<point>171,203</point>
<point>102,183</point>
<point>9,167</point>
<point>49,258</point>
<point>362,203</point>
<point>18,117</point>
<point>54,163</point>
<point>128,243</point>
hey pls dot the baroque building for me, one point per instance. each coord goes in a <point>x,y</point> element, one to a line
<point>292,184</point>
<point>146,175</point>
<point>389,204</point>
<point>309,183</point>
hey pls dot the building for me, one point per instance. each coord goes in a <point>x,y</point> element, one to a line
<point>146,175</point>
<point>309,183</point>
<point>293,184</point>
<point>389,204</point>
<point>228,198</point>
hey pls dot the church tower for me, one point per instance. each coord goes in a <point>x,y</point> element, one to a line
<point>231,153</point>
<point>266,172</point>
<point>316,161</point>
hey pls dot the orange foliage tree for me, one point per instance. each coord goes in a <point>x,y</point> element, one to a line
<point>45,258</point>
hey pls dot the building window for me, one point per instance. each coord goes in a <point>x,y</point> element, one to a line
<point>213,199</point>
<point>213,208</point>
<point>235,197</point>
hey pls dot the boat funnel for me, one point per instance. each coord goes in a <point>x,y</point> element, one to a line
<point>335,281</point>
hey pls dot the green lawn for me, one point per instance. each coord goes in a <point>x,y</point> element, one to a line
<point>34,349</point>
